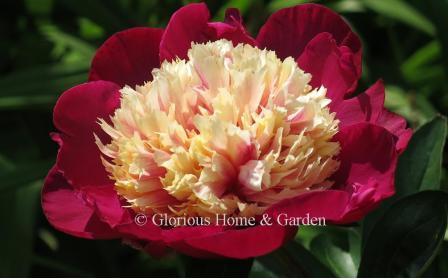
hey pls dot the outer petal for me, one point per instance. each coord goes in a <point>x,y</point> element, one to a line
<point>368,162</point>
<point>75,115</point>
<point>330,65</point>
<point>366,107</point>
<point>369,107</point>
<point>233,243</point>
<point>107,204</point>
<point>147,232</point>
<point>176,238</point>
<point>190,24</point>
<point>396,125</point>
<point>232,28</point>
<point>289,30</point>
<point>70,211</point>
<point>128,57</point>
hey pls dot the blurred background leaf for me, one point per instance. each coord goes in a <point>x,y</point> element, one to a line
<point>401,11</point>
<point>292,260</point>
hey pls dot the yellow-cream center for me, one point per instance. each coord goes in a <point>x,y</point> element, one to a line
<point>231,130</point>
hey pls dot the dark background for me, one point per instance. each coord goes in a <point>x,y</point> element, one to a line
<point>46,47</point>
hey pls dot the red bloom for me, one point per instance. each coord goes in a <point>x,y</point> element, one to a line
<point>80,199</point>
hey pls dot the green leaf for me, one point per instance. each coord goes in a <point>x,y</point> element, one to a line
<point>407,237</point>
<point>401,11</point>
<point>280,4</point>
<point>15,178</point>
<point>439,267</point>
<point>61,267</point>
<point>337,259</point>
<point>347,238</point>
<point>293,260</point>
<point>354,241</point>
<point>426,109</point>
<point>89,30</point>
<point>110,15</point>
<point>413,67</point>
<point>5,164</point>
<point>414,107</point>
<point>420,166</point>
<point>17,215</point>
<point>308,233</point>
<point>346,6</point>
<point>40,86</point>
<point>49,239</point>
<point>398,101</point>
<point>242,5</point>
<point>63,41</point>
<point>217,268</point>
<point>258,270</point>
<point>39,7</point>
<point>438,10</point>
<point>13,83</point>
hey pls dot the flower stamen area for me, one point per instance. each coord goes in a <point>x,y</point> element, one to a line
<point>232,130</point>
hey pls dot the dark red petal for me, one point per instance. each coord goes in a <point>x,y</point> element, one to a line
<point>233,16</point>
<point>369,107</point>
<point>128,57</point>
<point>76,115</point>
<point>231,29</point>
<point>332,66</point>
<point>244,243</point>
<point>289,30</point>
<point>147,232</point>
<point>396,125</point>
<point>107,204</point>
<point>214,241</point>
<point>368,161</point>
<point>190,24</point>
<point>366,107</point>
<point>69,210</point>
<point>176,239</point>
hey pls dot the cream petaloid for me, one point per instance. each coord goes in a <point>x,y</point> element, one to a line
<point>231,131</point>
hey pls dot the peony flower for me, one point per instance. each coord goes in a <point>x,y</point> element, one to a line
<point>201,119</point>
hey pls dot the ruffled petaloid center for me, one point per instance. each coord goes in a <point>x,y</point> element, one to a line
<point>232,130</point>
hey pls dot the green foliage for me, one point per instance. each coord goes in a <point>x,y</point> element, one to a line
<point>401,11</point>
<point>18,211</point>
<point>415,229</point>
<point>337,259</point>
<point>290,260</point>
<point>46,48</point>
<point>420,166</point>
